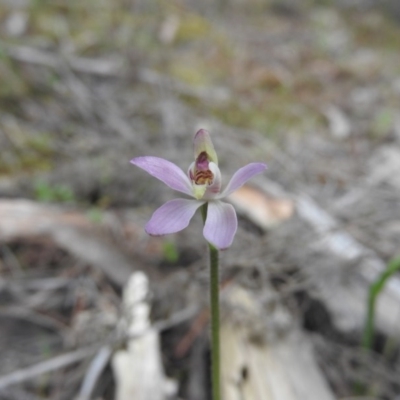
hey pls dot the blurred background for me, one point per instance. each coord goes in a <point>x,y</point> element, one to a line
<point>311,87</point>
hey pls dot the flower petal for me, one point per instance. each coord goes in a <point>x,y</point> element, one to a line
<point>221,224</point>
<point>165,171</point>
<point>241,176</point>
<point>202,143</point>
<point>172,216</point>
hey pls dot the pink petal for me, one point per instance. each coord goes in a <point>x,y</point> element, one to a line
<point>241,176</point>
<point>221,224</point>
<point>166,172</point>
<point>172,217</point>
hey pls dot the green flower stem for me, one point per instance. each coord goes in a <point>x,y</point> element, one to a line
<point>374,291</point>
<point>214,306</point>
<point>214,300</point>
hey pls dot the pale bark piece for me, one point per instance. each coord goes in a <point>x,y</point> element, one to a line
<point>273,362</point>
<point>264,211</point>
<point>138,369</point>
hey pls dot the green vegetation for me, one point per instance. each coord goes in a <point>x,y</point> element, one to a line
<point>374,291</point>
<point>27,151</point>
<point>95,215</point>
<point>170,251</point>
<point>53,193</point>
<point>382,123</point>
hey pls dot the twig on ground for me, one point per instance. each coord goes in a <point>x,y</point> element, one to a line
<point>34,317</point>
<point>111,67</point>
<point>101,66</point>
<point>26,374</point>
<point>93,373</point>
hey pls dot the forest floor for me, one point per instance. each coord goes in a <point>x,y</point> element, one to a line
<point>310,88</point>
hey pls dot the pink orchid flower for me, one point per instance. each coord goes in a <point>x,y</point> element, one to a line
<point>203,183</point>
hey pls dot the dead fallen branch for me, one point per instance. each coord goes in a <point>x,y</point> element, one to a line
<point>344,289</point>
<point>337,266</point>
<point>72,231</point>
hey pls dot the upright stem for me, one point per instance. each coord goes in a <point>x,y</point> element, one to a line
<point>374,291</point>
<point>214,303</point>
<point>214,306</point>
